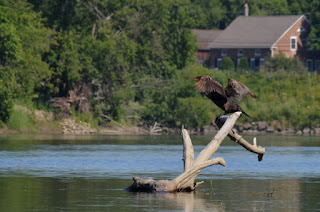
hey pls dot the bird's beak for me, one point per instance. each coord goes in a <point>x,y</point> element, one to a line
<point>195,79</point>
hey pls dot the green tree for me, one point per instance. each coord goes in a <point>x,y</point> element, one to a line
<point>124,42</point>
<point>208,14</point>
<point>23,40</point>
<point>69,63</point>
<point>6,94</point>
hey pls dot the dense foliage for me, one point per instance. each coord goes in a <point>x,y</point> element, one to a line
<point>290,97</point>
<point>136,57</point>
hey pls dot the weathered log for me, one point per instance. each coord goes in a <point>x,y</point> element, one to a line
<point>185,181</point>
<point>147,185</point>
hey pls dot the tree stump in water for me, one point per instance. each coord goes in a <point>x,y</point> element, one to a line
<point>192,167</point>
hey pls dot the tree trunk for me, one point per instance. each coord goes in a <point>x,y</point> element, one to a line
<point>185,181</point>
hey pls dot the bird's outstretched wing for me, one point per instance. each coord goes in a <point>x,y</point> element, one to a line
<point>238,90</point>
<point>207,85</point>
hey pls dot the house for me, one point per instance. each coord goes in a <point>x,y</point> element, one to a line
<point>204,39</point>
<point>257,37</point>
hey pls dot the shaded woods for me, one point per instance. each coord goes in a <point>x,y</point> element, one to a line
<point>129,63</point>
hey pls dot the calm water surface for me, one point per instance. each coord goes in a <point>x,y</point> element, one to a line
<point>89,173</point>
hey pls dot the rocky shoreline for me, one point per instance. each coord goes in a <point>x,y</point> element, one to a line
<point>70,126</point>
<point>263,127</point>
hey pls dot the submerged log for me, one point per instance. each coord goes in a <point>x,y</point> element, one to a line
<point>192,167</point>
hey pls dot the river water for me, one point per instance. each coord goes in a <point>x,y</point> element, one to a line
<point>90,173</point>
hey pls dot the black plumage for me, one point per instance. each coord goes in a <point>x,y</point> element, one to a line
<point>222,96</point>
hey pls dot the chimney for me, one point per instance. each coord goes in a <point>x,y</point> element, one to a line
<point>246,9</point>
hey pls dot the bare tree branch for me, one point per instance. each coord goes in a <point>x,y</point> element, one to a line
<point>238,139</point>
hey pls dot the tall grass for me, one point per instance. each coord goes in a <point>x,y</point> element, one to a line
<point>86,117</point>
<point>22,121</point>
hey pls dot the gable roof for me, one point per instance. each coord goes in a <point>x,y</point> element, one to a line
<point>205,37</point>
<point>255,31</point>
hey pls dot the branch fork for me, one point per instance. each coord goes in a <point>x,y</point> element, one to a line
<point>192,167</point>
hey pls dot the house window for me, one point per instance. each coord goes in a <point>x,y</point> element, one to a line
<point>257,52</point>
<point>309,65</point>
<point>223,52</point>
<point>261,61</point>
<point>218,63</point>
<point>252,63</point>
<point>293,43</point>
<point>317,65</point>
<point>240,53</point>
<point>238,61</point>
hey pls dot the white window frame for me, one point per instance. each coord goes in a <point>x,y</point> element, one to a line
<point>238,61</point>
<point>219,60</point>
<point>261,62</point>
<point>257,52</point>
<point>224,52</point>
<point>311,64</point>
<point>295,43</point>
<point>252,63</point>
<point>240,52</point>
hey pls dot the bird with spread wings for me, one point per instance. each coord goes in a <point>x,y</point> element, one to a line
<point>222,96</point>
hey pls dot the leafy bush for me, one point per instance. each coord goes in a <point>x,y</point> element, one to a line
<point>243,64</point>
<point>282,63</point>
<point>227,64</point>
<point>194,112</point>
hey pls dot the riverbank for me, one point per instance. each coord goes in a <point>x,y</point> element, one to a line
<point>253,128</point>
<point>26,121</point>
<point>70,126</point>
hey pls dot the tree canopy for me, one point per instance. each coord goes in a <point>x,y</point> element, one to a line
<point>129,53</point>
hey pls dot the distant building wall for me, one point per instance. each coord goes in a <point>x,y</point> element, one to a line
<point>300,32</point>
<point>255,56</point>
<point>203,56</point>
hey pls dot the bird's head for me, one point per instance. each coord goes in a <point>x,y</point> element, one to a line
<point>197,78</point>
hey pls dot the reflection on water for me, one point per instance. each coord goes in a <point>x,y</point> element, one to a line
<point>76,194</point>
<point>57,173</point>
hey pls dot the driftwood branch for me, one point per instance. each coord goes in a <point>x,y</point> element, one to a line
<point>155,129</point>
<point>192,167</point>
<point>238,139</point>
<point>188,152</point>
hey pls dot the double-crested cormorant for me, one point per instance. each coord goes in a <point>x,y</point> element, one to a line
<point>222,96</point>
